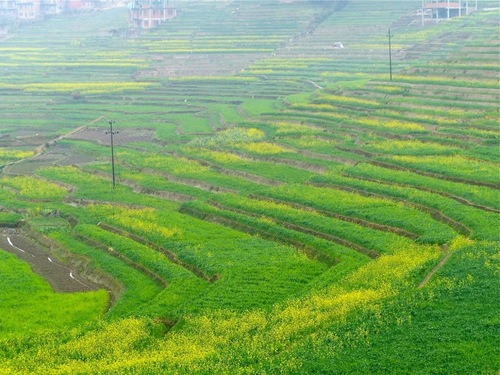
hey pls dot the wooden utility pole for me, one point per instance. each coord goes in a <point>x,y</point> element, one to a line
<point>111,133</point>
<point>389,35</point>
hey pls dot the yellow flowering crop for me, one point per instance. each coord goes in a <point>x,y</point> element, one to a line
<point>9,154</point>
<point>34,188</point>
<point>87,87</point>
<point>263,148</point>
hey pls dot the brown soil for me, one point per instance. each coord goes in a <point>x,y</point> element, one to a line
<point>123,136</point>
<point>61,277</point>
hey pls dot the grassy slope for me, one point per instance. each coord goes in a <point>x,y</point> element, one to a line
<point>30,306</point>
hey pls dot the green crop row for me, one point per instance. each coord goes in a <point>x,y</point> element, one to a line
<point>383,242</point>
<point>462,218</point>
<point>478,194</point>
<point>375,209</point>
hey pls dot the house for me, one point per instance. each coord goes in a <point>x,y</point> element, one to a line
<point>29,9</point>
<point>14,10</point>
<point>82,5</point>
<point>146,14</point>
<point>444,9</point>
<point>8,9</point>
<point>53,6</point>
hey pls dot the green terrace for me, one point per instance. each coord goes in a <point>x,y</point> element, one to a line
<point>281,205</point>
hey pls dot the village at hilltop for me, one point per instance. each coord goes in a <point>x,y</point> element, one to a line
<point>144,14</point>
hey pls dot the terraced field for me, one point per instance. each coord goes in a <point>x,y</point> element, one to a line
<point>281,205</point>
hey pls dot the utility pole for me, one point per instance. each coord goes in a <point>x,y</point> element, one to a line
<point>111,133</point>
<point>423,14</point>
<point>389,35</point>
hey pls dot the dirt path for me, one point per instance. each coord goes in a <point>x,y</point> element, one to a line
<point>40,150</point>
<point>60,277</point>
<point>96,120</point>
<point>442,261</point>
<point>314,84</point>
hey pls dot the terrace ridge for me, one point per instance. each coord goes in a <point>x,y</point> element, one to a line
<point>139,267</point>
<point>428,190</point>
<point>435,175</point>
<point>307,250</point>
<point>329,237</point>
<point>349,219</point>
<point>435,214</point>
<point>169,254</point>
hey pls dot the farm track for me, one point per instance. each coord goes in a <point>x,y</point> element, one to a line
<point>45,154</point>
<point>62,279</point>
<point>310,252</point>
<point>440,264</point>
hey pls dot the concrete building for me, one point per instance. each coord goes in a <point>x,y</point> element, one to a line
<point>437,10</point>
<point>14,10</point>
<point>146,14</point>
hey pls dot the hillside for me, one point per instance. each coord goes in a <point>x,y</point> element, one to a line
<point>281,204</point>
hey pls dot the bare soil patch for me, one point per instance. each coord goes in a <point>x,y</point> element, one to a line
<point>62,278</point>
<point>122,136</point>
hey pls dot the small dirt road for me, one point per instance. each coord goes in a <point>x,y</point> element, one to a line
<point>62,278</point>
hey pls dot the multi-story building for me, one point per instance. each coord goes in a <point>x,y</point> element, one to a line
<point>53,6</point>
<point>33,9</point>
<point>29,9</point>
<point>147,14</point>
<point>82,5</point>
<point>445,9</point>
<point>8,9</point>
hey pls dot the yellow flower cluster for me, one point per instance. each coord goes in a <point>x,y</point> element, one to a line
<point>182,166</point>
<point>263,148</point>
<point>408,145</point>
<point>146,226</point>
<point>34,188</point>
<point>349,100</point>
<point>143,219</point>
<point>10,154</point>
<point>457,165</point>
<point>394,124</point>
<point>221,157</point>
<point>87,87</point>
<point>292,127</point>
